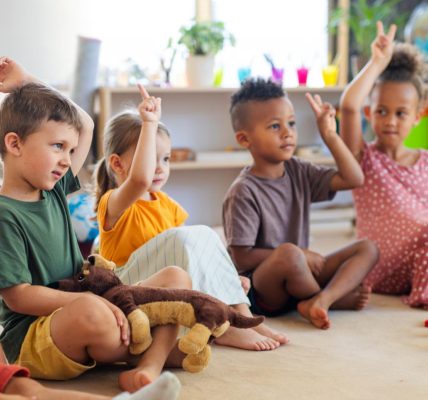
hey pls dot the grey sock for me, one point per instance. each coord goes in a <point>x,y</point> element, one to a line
<point>166,387</point>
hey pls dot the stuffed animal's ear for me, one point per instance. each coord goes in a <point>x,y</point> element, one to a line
<point>97,261</point>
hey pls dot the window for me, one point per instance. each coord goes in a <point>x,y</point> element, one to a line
<point>292,32</point>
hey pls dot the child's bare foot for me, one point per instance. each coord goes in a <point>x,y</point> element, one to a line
<point>245,283</point>
<point>247,339</point>
<point>314,312</point>
<point>265,330</point>
<point>136,378</point>
<point>355,300</point>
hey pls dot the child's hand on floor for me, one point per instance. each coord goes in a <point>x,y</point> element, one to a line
<point>12,75</point>
<point>150,107</point>
<point>316,261</point>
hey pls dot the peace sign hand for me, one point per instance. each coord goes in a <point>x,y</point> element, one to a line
<point>150,107</point>
<point>383,46</point>
<point>325,116</point>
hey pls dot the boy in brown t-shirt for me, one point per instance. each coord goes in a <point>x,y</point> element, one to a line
<point>266,210</point>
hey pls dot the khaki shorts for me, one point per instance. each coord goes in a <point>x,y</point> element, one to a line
<point>43,358</point>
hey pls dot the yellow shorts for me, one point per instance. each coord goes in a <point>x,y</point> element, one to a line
<point>43,358</point>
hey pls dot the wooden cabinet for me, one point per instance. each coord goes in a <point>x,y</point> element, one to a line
<point>199,119</point>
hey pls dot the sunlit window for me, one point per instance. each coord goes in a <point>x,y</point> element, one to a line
<point>292,33</point>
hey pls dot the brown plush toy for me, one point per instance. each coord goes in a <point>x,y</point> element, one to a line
<point>146,307</point>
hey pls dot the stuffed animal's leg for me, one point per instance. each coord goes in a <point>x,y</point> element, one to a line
<point>195,340</point>
<point>141,337</point>
<point>220,330</point>
<point>197,362</point>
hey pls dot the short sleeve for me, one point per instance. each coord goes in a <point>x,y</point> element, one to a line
<point>365,162</point>
<point>13,256</point>
<point>180,214</point>
<point>241,217</point>
<point>7,372</point>
<point>319,178</point>
<point>69,183</point>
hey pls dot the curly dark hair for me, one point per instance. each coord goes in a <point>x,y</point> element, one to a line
<point>406,65</point>
<point>252,90</point>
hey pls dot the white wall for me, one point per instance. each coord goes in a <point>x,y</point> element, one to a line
<point>42,34</point>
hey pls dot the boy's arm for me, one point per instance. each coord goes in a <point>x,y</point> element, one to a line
<point>142,170</point>
<point>356,92</point>
<point>13,75</point>
<point>248,258</point>
<point>20,299</point>
<point>349,174</point>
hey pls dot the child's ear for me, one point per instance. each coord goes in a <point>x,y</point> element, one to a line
<point>115,163</point>
<point>367,112</point>
<point>13,143</point>
<point>243,139</point>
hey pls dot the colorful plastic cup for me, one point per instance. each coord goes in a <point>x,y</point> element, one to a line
<point>277,75</point>
<point>330,74</point>
<point>244,73</point>
<point>302,75</point>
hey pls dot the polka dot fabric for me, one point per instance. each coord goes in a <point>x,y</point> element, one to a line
<point>392,211</point>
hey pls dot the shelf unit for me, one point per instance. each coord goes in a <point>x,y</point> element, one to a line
<point>199,118</point>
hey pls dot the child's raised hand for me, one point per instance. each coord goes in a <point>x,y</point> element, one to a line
<point>325,115</point>
<point>150,107</point>
<point>383,46</point>
<point>12,75</point>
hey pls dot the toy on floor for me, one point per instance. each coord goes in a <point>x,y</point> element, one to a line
<point>146,307</point>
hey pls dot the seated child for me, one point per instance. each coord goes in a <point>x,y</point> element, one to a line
<point>140,226</point>
<point>392,205</point>
<point>44,140</point>
<point>266,210</point>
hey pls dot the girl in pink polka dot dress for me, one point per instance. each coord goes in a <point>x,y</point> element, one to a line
<point>392,206</point>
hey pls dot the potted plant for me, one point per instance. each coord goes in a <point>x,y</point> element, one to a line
<point>203,41</point>
<point>361,18</point>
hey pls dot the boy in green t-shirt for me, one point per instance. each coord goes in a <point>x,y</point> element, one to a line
<point>44,140</point>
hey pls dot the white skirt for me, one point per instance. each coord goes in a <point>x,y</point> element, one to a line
<point>198,250</point>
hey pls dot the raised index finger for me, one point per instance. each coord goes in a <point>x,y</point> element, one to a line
<point>143,91</point>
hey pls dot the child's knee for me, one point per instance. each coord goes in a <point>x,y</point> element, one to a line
<point>369,248</point>
<point>177,278</point>
<point>289,256</point>
<point>91,316</point>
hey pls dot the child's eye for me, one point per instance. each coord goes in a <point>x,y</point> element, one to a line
<point>275,126</point>
<point>58,146</point>
<point>401,114</point>
<point>166,159</point>
<point>292,124</point>
<point>381,112</point>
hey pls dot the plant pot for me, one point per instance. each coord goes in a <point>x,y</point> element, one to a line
<point>199,70</point>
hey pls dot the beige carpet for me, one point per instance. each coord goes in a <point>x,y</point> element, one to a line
<point>378,353</point>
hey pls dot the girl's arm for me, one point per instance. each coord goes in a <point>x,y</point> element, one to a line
<point>349,173</point>
<point>356,92</point>
<point>13,75</point>
<point>142,170</point>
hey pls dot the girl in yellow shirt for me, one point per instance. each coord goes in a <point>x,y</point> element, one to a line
<point>141,226</point>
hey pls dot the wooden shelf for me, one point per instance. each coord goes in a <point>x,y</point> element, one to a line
<point>189,90</point>
<point>227,163</point>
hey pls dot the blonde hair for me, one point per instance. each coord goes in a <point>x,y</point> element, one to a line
<point>121,133</point>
